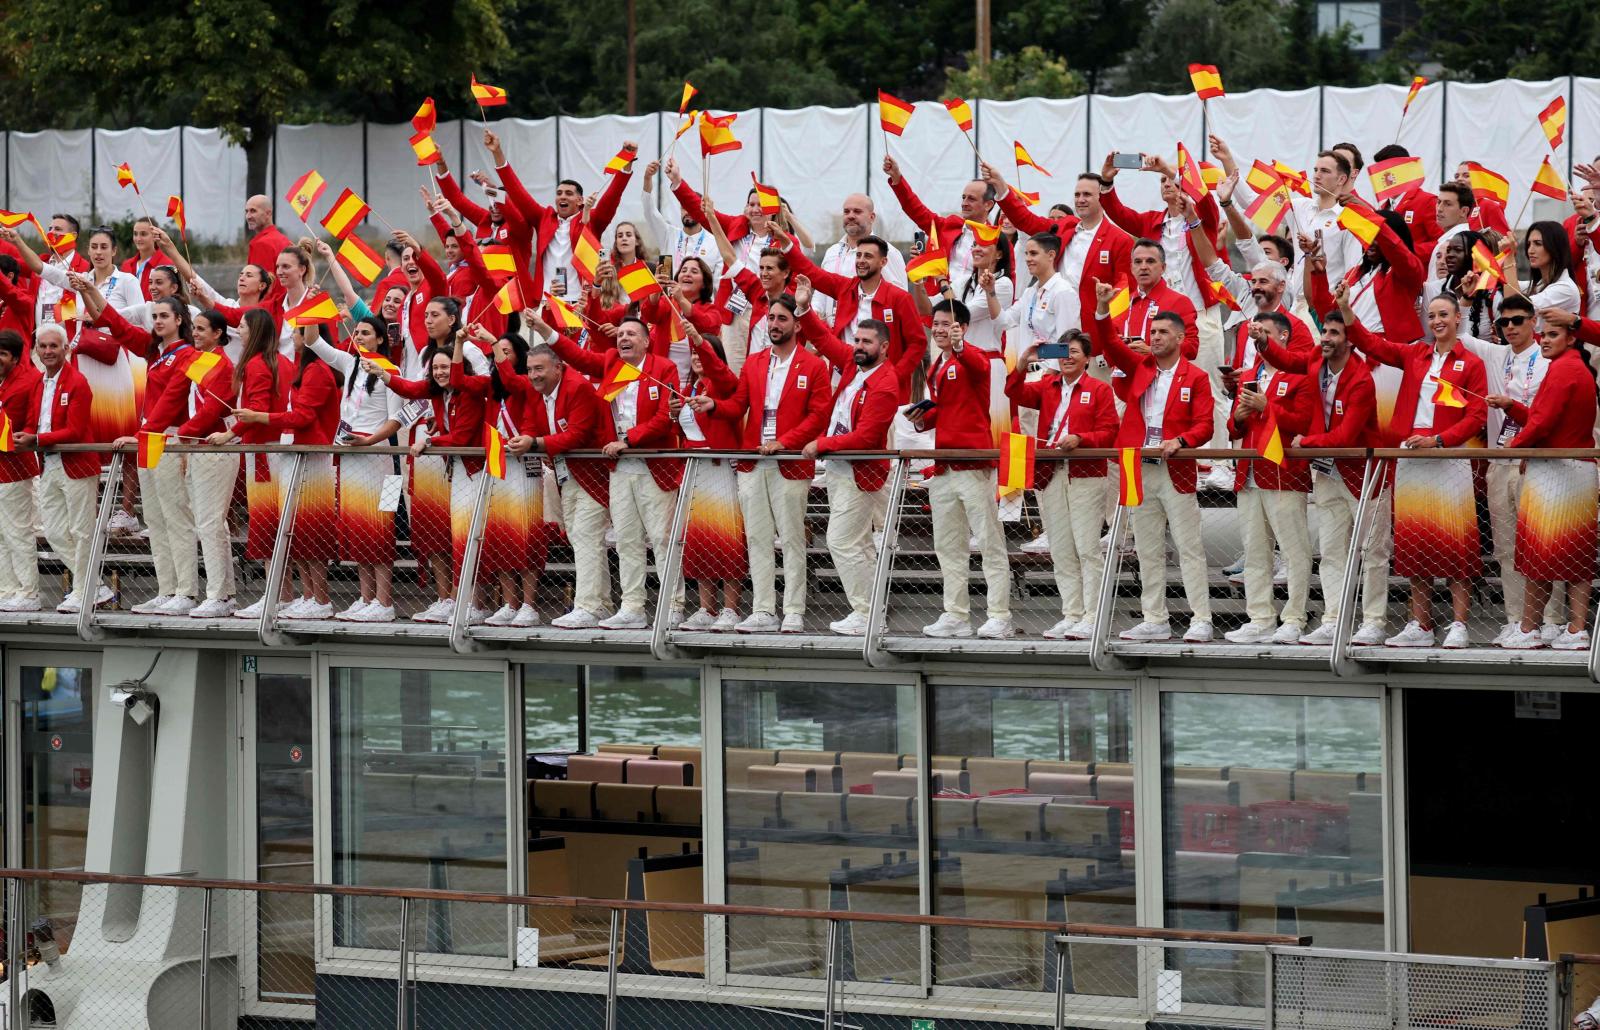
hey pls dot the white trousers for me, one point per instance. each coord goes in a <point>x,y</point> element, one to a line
<point>585,522</point>
<point>852,512</point>
<point>1073,511</point>
<point>1504,484</point>
<point>963,502</point>
<point>773,508</point>
<point>1336,521</point>
<point>67,507</point>
<point>1211,357</point>
<point>210,481</point>
<point>1269,517</point>
<point>19,549</point>
<point>171,524</point>
<point>1165,508</point>
<point>641,513</point>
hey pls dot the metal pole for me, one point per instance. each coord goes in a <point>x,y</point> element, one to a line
<point>205,961</point>
<point>89,589</point>
<point>14,953</point>
<point>1061,983</point>
<point>1098,656</point>
<point>669,566</point>
<point>878,616</point>
<point>400,981</point>
<point>1354,569</point>
<point>278,567</point>
<point>829,972</point>
<point>1270,1003</point>
<point>467,582</point>
<point>611,969</point>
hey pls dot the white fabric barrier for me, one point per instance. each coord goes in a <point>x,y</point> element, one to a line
<point>816,157</point>
<point>1268,124</point>
<point>1370,116</point>
<point>1497,125</point>
<point>588,143</point>
<point>730,172</point>
<point>1054,132</point>
<point>213,185</point>
<point>50,172</point>
<point>333,150</point>
<point>935,159</point>
<point>1147,123</point>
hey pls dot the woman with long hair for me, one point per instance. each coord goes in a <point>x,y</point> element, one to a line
<point>210,478</point>
<point>252,287</point>
<point>312,417</point>
<point>1549,258</point>
<point>296,278</point>
<point>988,293</point>
<point>1478,307</point>
<point>626,248</point>
<point>689,298</point>
<point>715,555</point>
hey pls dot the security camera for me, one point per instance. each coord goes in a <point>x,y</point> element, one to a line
<point>139,701</point>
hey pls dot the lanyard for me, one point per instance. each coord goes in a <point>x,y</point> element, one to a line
<point>1069,391</point>
<point>1533,357</point>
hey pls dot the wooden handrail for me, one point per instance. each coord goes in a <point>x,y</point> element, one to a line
<point>1137,933</point>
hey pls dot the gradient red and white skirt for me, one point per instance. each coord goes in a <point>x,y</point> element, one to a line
<point>262,506</point>
<point>366,534</point>
<point>316,512</point>
<point>1556,519</point>
<point>430,506</point>
<point>713,538</point>
<point>463,491</point>
<point>514,536</point>
<point>1435,520</point>
<point>117,395</point>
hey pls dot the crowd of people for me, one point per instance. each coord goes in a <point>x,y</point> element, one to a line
<point>1091,325</point>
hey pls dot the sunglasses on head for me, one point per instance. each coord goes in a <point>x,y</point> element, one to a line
<point>1511,320</point>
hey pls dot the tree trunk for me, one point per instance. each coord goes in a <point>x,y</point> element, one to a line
<point>257,157</point>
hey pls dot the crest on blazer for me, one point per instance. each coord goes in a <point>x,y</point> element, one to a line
<point>655,392</point>
<point>1183,394</point>
<point>1338,406</point>
<point>1283,388</point>
<point>800,382</point>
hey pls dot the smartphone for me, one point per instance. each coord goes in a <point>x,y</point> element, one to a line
<point>492,192</point>
<point>561,282</point>
<point>1251,385</point>
<point>392,331</point>
<point>1054,350</point>
<point>919,242</point>
<point>1122,159</point>
<point>919,408</point>
<point>664,266</point>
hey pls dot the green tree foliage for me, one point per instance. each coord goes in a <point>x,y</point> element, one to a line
<point>1255,43</point>
<point>1478,40</point>
<point>1092,36</point>
<point>1031,72</point>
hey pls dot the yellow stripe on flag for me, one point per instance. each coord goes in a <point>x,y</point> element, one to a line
<point>202,365</point>
<point>151,447</point>
<point>613,387</point>
<point>1132,493</point>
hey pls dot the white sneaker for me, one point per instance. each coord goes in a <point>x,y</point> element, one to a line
<point>578,618</point>
<point>249,611</point>
<point>948,625</point>
<point>1288,633</point>
<point>1505,633</point>
<point>1569,641</point>
<point>475,615</point>
<point>1549,631</point>
<point>313,610</point>
<point>1517,640</point>
<point>1038,545</point>
<point>218,608</point>
<point>674,618</point>
<point>1236,576</point>
<point>291,609</point>
<point>1148,631</point>
<point>182,604</point>
<point>123,522</point>
<point>502,616</point>
<point>1253,633</point>
<point>152,606</point>
<point>527,617</point>
<point>1371,634</point>
<point>1082,630</point>
<point>103,596</point>
<point>433,613</point>
<point>1061,630</point>
<point>996,628</point>
<point>1200,632</point>
<point>1456,636</point>
<point>374,612</point>
<point>1412,636</point>
<point>1220,478</point>
<point>794,622</point>
<point>355,607</point>
<point>1322,636</point>
<point>626,618</point>
<point>852,625</point>
<point>760,622</point>
<point>20,603</point>
<point>700,622</point>
<point>71,604</point>
<point>727,621</point>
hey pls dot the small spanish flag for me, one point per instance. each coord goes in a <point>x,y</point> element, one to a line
<point>687,124</point>
<point>586,255</point>
<point>7,445</point>
<point>494,452</point>
<point>1132,493</point>
<point>378,359</point>
<point>426,118</point>
<point>1548,182</point>
<point>125,177</point>
<point>66,309</point>
<point>928,264</point>
<point>1210,174</point>
<point>893,113</point>
<point>716,134</point>
<point>175,212</point>
<point>625,157</point>
<point>306,191</point>
<point>1025,158</point>
<point>151,446</point>
<point>509,300</point>
<point>1220,295</point>
<point>767,197</point>
<point>360,260</point>
<point>499,261</point>
<point>1488,265</point>
<point>12,219</point>
<point>1553,120</point>
<point>618,381</point>
<point>1189,175</point>
<point>1268,209</point>
<point>62,243</point>
<point>562,316</point>
<point>961,112</point>
<point>984,234</point>
<point>1017,452</point>
<point>1395,177</point>
<point>346,213</point>
<point>638,281</point>
<point>1207,81</point>
<point>1263,178</point>
<point>1445,394</point>
<point>201,366</point>
<point>1417,82</point>
<point>688,94</point>
<point>1030,199</point>
<point>317,309</point>
<point>1364,225</point>
<point>425,148</point>
<point>487,96</point>
<point>1271,445</point>
<point>1297,181</point>
<point>1119,303</point>
<point>1481,178</point>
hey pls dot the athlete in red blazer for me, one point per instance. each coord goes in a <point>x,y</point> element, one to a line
<point>1093,417</point>
<point>871,411</point>
<point>1289,400</point>
<point>1352,418</point>
<point>1110,253</point>
<point>1148,225</point>
<point>890,305</point>
<point>653,423</point>
<point>69,421</point>
<point>581,423</point>
<point>802,409</point>
<point>565,215</point>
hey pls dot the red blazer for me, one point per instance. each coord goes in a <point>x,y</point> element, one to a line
<point>1419,209</point>
<point>735,227</point>
<point>213,401</point>
<point>1300,339</point>
<point>948,226</point>
<point>495,410</point>
<point>871,412</point>
<point>717,382</point>
<point>1187,417</point>
<point>1091,417</point>
<point>1148,225</point>
<point>1110,254</point>
<point>1577,243</point>
<point>457,415</point>
<point>1454,426</point>
<point>17,309</point>
<point>545,222</point>
<point>1564,408</point>
<point>958,385</point>
<point>256,393</point>
<point>313,412</point>
<point>802,410</point>
<point>1142,309</point>
<point>707,318</point>
<point>1289,398</point>
<point>137,341</point>
<point>908,341</point>
<point>1354,419</point>
<point>653,423</point>
<point>1395,290</point>
<point>69,420</point>
<point>582,423</point>
<point>265,246</point>
<point>18,400</point>
<point>157,260</point>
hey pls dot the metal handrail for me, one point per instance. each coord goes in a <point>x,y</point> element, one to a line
<point>461,641</point>
<point>278,567</point>
<point>877,610</point>
<point>1099,654</point>
<point>89,589</point>
<point>1371,490</point>
<point>669,567</point>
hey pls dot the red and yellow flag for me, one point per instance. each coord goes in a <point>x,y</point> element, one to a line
<point>716,135</point>
<point>12,219</point>
<point>618,380</point>
<point>346,213</point>
<point>486,95</point>
<point>66,309</point>
<point>1446,395</point>
<point>360,260</point>
<point>961,112</point>
<point>1017,453</point>
<point>1417,83</point>
<point>1220,294</point>
<point>317,309</point>
<point>426,118</point>
<point>378,359</point>
<point>625,157</point>
<point>1298,181</point>
<point>1025,158</point>
<point>1271,440</point>
<point>676,333</point>
<point>638,281</point>
<point>1263,178</point>
<point>201,366</point>
<point>125,177</point>
<point>1488,266</point>
<point>1132,493</point>
<point>1364,225</point>
<point>62,243</point>
<point>498,261</point>
<point>151,447</point>
<point>7,444</point>
<point>927,265</point>
<point>175,212</point>
<point>984,234</point>
<point>685,125</point>
<point>1119,303</point>
<point>1548,183</point>
<point>688,94</point>
<point>305,192</point>
<point>425,148</point>
<point>562,317</point>
<point>1030,199</point>
<point>893,113</point>
<point>1553,120</point>
<point>494,452</point>
<point>1189,175</point>
<point>1395,177</point>
<point>1267,211</point>
<point>509,300</point>
<point>767,197</point>
<point>586,255</point>
<point>1207,81</point>
<point>1481,178</point>
<point>1210,174</point>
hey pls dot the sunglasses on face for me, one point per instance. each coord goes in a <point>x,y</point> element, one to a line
<point>1511,320</point>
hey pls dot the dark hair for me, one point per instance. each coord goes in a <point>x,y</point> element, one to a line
<point>708,279</point>
<point>1003,267</point>
<point>1095,177</point>
<point>179,290</point>
<point>633,316</point>
<point>1145,241</point>
<point>785,300</point>
<point>876,325</point>
<point>185,327</point>
<point>1517,302</point>
<point>1355,152</point>
<point>519,361</point>
<point>774,252</point>
<point>146,219</point>
<point>309,357</point>
<point>988,189</point>
<point>1048,240</point>
<point>1397,224</point>
<point>544,350</point>
<point>1081,338</point>
<point>12,343</point>
<point>574,183</point>
<point>876,241</point>
<point>1554,237</point>
<point>264,273</point>
<point>1340,162</point>
<point>9,267</point>
<point>1284,246</point>
<point>395,247</point>
<point>215,319</point>
<point>106,231</point>
<point>1066,211</point>
<point>260,340</point>
<point>1173,317</point>
<point>1462,193</point>
<point>69,219</point>
<point>452,308</point>
<point>1333,316</point>
<point>1279,320</point>
<point>1389,152</point>
<point>374,323</point>
<point>955,309</point>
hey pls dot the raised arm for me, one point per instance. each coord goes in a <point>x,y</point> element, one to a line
<point>531,210</point>
<point>605,209</point>
<point>689,200</point>
<point>800,263</point>
<point>1027,221</point>
<point>451,191</point>
<point>814,332</point>
<point>910,203</point>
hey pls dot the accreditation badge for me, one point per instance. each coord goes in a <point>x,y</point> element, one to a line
<point>1183,394</point>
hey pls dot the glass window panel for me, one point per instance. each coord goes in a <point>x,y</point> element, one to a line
<point>57,775</point>
<point>820,796</point>
<point>419,801</point>
<point>284,760</point>
<point>1272,818</point>
<point>551,699</point>
<point>1032,820</point>
<point>644,705</point>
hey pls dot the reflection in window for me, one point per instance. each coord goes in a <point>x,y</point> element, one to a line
<point>1273,823</point>
<point>57,773</point>
<point>614,811</point>
<point>419,800</point>
<point>1032,796</point>
<point>284,760</point>
<point>821,788</point>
